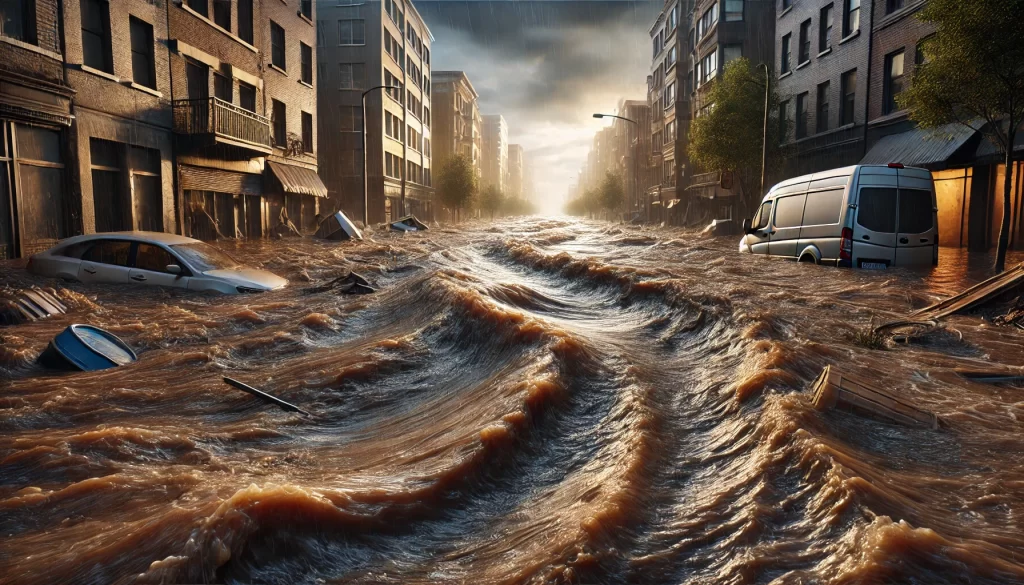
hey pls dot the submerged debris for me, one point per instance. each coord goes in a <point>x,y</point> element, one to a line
<point>86,348</point>
<point>18,306</point>
<point>993,289</point>
<point>266,397</point>
<point>338,227</point>
<point>351,283</point>
<point>408,223</point>
<point>836,390</point>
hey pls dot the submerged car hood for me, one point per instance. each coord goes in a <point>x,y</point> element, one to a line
<point>252,277</point>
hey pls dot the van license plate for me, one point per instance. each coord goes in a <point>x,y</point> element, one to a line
<point>873,265</point>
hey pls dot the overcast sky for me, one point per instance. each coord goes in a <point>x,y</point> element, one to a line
<point>547,66</point>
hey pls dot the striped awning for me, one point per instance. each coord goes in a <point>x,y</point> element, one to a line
<point>298,180</point>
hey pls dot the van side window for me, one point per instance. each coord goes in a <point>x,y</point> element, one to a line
<point>763,216</point>
<point>789,211</point>
<point>916,211</point>
<point>823,207</point>
<point>876,209</point>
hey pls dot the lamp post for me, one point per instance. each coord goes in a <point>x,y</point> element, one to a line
<point>366,180</point>
<point>636,172</point>
<point>764,132</point>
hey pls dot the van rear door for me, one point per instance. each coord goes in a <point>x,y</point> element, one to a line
<point>917,234</point>
<point>874,229</point>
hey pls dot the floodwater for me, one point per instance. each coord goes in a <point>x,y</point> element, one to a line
<point>529,401</point>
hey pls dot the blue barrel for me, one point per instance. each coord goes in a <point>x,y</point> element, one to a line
<point>87,348</point>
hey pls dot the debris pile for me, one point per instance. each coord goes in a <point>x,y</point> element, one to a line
<point>836,390</point>
<point>18,306</point>
<point>338,227</point>
<point>351,283</point>
<point>997,288</point>
<point>409,223</point>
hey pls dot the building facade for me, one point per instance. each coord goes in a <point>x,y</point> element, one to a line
<point>458,126</point>
<point>670,109</point>
<point>494,170</point>
<point>516,171</point>
<point>35,118</point>
<point>363,46</point>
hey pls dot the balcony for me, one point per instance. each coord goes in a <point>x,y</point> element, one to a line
<point>211,122</point>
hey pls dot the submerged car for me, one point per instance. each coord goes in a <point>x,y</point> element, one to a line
<point>151,258</point>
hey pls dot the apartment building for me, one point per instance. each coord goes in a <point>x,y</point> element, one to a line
<point>494,169</point>
<point>719,32</point>
<point>121,140</point>
<point>244,113</point>
<point>363,46</point>
<point>458,126</point>
<point>35,117</point>
<point>823,66</point>
<point>516,171</point>
<point>669,109</point>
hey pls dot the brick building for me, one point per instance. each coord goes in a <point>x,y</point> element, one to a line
<point>823,67</point>
<point>458,126</point>
<point>35,114</point>
<point>669,106</point>
<point>244,113</point>
<point>361,47</point>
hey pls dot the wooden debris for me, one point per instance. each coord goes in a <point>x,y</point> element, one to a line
<point>993,376</point>
<point>19,306</point>
<point>834,389</point>
<point>979,294</point>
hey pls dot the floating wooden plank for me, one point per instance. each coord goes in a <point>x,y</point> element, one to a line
<point>836,390</point>
<point>994,376</point>
<point>977,295</point>
<point>21,305</point>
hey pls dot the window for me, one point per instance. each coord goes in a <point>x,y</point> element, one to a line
<point>247,96</point>
<point>351,119</point>
<point>709,66</point>
<point>114,252</point>
<point>671,60</point>
<point>783,120</point>
<point>670,95</point>
<point>673,18</point>
<point>306,54</point>
<point>352,75</point>
<point>851,17</point>
<point>733,10</point>
<point>280,122</point>
<point>789,211</point>
<point>277,55</point>
<point>920,52</point>
<point>307,132</point>
<point>786,52</point>
<point>394,82</point>
<point>656,45</point>
<point>849,96</point>
<point>245,20</point>
<point>307,9</point>
<point>18,20</point>
<point>147,189</point>
<point>787,4</point>
<point>805,41</point>
<point>153,258</point>
<point>222,88</point>
<point>823,207</point>
<point>200,6</point>
<point>876,209</point>
<point>426,116</point>
<point>106,160</point>
<point>392,166</point>
<point>96,52</point>
<point>763,215</point>
<point>822,115</point>
<point>222,14</point>
<point>731,53</point>
<point>893,80</point>
<point>351,32</point>
<point>801,116</point>
<point>915,211</point>
<point>825,29</point>
<point>707,21</point>
<point>143,70</point>
<point>893,5</point>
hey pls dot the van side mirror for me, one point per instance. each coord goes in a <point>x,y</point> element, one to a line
<point>173,269</point>
<point>746,226</point>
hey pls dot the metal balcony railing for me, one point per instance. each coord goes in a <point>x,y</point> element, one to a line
<point>212,116</point>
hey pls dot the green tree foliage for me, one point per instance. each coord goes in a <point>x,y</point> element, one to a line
<point>456,183</point>
<point>728,137</point>
<point>974,75</point>
<point>491,200</point>
<point>612,193</point>
<point>517,206</point>
<point>576,207</point>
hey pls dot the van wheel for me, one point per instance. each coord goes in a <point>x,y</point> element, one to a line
<point>809,258</point>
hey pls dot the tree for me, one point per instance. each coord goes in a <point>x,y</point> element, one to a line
<point>456,183</point>
<point>728,136</point>
<point>611,194</point>
<point>973,74</point>
<point>491,200</point>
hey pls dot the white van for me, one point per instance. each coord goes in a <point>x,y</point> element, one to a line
<point>866,216</point>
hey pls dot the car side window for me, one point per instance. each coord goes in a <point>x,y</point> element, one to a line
<point>153,258</point>
<point>765,213</point>
<point>113,252</point>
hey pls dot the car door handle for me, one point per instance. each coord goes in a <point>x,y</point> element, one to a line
<point>89,270</point>
<point>904,241</point>
<point>866,237</point>
<point>924,240</point>
<point>138,278</point>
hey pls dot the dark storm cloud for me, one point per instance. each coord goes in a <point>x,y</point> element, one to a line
<point>546,65</point>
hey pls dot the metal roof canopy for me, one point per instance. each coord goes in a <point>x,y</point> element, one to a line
<point>920,147</point>
<point>298,180</point>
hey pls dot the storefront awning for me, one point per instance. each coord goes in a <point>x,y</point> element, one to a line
<point>919,147</point>
<point>298,180</point>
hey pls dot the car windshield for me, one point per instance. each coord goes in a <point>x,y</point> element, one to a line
<point>204,257</point>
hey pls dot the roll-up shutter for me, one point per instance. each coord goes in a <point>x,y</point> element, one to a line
<point>204,179</point>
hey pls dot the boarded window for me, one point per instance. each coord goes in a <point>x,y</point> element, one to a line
<point>876,209</point>
<point>916,211</point>
<point>823,207</point>
<point>41,172</point>
<point>789,211</point>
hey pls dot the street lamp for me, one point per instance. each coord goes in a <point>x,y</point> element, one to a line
<point>366,181</point>
<point>764,131</point>
<point>636,172</point>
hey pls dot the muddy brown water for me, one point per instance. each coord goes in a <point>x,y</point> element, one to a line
<point>528,401</point>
